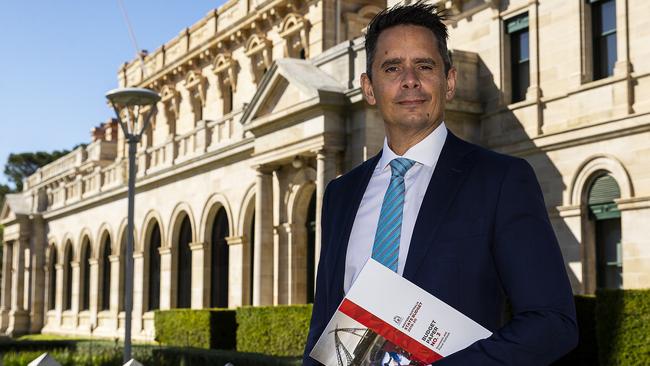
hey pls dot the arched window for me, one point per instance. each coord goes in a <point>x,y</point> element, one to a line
<point>607,222</point>
<point>154,268</point>
<point>184,280</point>
<point>52,288</point>
<point>67,305</point>
<point>85,275</point>
<point>105,269</point>
<point>219,261</point>
<point>311,247</point>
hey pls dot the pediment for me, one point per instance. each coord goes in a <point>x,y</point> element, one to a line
<point>13,206</point>
<point>287,85</point>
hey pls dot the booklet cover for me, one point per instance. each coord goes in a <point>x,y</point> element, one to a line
<point>386,320</point>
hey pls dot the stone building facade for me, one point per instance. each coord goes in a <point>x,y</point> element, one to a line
<point>261,108</point>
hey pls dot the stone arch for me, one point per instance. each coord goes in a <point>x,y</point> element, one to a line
<point>246,230</point>
<point>590,169</point>
<point>301,202</point>
<point>151,275</point>
<point>67,239</point>
<point>369,11</point>
<point>51,260</point>
<point>67,258</point>
<point>85,234</point>
<point>213,204</point>
<point>174,223</point>
<point>295,30</point>
<point>147,225</point>
<point>120,244</point>
<point>104,231</point>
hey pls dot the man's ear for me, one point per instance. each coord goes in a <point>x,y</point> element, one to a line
<point>451,84</point>
<point>366,88</point>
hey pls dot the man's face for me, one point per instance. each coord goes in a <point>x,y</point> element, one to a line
<point>409,85</point>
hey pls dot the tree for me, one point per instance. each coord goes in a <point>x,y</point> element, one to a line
<point>22,165</point>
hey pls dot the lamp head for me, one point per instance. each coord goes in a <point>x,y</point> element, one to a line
<point>131,102</point>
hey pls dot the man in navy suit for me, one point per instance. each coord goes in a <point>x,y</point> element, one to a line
<point>466,224</point>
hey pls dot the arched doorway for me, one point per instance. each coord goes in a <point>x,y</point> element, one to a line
<point>51,291</point>
<point>184,279</point>
<point>154,268</point>
<point>219,260</point>
<point>605,219</point>
<point>67,274</point>
<point>105,274</point>
<point>84,266</point>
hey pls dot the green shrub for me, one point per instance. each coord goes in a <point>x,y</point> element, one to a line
<point>13,345</point>
<point>273,330</point>
<point>204,328</point>
<point>198,357</point>
<point>623,327</point>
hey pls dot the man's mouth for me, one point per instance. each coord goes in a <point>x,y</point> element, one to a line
<point>408,102</point>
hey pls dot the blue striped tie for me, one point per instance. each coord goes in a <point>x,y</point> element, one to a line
<point>389,228</point>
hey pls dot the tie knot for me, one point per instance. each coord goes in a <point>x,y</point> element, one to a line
<point>400,166</point>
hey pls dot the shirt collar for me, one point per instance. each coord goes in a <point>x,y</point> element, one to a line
<point>425,152</point>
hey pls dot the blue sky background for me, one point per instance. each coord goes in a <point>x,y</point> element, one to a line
<point>59,58</point>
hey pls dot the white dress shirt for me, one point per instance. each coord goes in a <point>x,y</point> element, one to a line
<point>362,237</point>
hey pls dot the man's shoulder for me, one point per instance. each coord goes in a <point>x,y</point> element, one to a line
<point>488,159</point>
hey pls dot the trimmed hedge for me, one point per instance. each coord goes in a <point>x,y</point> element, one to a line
<point>623,327</point>
<point>273,330</point>
<point>13,345</point>
<point>199,328</point>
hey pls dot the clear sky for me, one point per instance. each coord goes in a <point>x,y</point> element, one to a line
<point>59,58</point>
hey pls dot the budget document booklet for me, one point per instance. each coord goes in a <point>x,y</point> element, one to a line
<point>386,320</point>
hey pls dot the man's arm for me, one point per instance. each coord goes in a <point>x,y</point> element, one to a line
<point>532,272</point>
<point>319,316</point>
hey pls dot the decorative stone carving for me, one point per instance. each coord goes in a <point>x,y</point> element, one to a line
<point>258,49</point>
<point>295,30</point>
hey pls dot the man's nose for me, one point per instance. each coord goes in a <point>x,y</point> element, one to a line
<point>410,78</point>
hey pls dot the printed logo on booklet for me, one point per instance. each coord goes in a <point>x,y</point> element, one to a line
<point>371,328</point>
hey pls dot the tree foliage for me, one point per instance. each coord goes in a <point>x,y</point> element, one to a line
<point>22,165</point>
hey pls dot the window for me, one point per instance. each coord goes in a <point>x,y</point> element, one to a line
<point>85,275</point>
<point>52,288</point>
<point>517,29</point>
<point>603,28</point>
<point>67,305</point>
<point>607,219</point>
<point>219,260</point>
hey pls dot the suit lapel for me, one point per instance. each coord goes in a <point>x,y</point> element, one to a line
<point>449,173</point>
<point>349,209</point>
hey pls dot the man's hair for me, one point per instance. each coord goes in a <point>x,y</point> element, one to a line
<point>420,14</point>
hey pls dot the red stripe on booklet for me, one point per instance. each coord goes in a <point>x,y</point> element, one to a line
<point>417,350</point>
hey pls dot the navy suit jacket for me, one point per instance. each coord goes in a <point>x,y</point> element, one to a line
<point>482,236</point>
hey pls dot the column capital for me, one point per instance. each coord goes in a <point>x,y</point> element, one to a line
<point>263,169</point>
<point>236,240</point>
<point>113,258</point>
<point>165,250</point>
<point>197,245</point>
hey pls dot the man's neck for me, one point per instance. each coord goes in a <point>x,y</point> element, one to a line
<point>400,141</point>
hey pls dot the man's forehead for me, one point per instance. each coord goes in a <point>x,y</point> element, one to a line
<point>399,35</point>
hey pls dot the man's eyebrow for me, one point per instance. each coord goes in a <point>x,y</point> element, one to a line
<point>425,60</point>
<point>391,61</point>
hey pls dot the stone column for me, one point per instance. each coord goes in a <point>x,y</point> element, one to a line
<point>534,91</point>
<point>94,292</point>
<point>5,301</point>
<point>263,256</point>
<point>58,297</point>
<point>37,285</point>
<point>18,317</point>
<point>623,92</point>
<point>74,309</point>
<point>138,292</point>
<point>236,275</point>
<point>200,278</point>
<point>115,288</point>
<point>297,263</point>
<point>325,172</point>
<point>165,278</point>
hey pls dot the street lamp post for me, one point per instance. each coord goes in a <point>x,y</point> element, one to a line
<point>132,103</point>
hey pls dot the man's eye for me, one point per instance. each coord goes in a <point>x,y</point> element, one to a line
<point>426,67</point>
<point>391,69</point>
